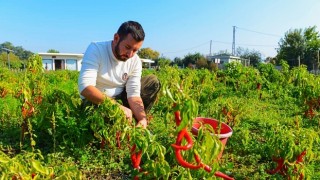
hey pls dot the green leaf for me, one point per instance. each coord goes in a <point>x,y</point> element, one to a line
<point>4,158</point>
<point>39,168</point>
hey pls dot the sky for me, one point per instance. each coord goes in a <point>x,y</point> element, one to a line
<point>174,28</point>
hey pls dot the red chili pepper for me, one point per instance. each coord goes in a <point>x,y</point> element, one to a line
<point>299,160</point>
<point>102,143</point>
<point>183,163</point>
<point>33,175</point>
<point>135,157</point>
<point>177,146</point>
<point>280,165</point>
<point>207,168</point>
<point>184,134</point>
<point>181,134</point>
<point>177,117</point>
<point>220,174</point>
<point>118,134</point>
<point>300,156</point>
<point>197,157</point>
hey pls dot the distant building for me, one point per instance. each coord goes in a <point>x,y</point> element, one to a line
<point>147,61</point>
<point>69,61</point>
<point>223,59</point>
<point>61,61</point>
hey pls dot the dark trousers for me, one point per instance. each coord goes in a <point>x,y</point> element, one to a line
<point>150,86</point>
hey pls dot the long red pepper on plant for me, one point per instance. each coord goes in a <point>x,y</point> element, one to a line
<point>184,134</point>
<point>280,165</point>
<point>184,163</point>
<point>118,136</point>
<point>135,157</point>
<point>300,156</point>
<point>282,168</point>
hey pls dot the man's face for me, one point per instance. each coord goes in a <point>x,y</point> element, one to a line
<point>125,48</point>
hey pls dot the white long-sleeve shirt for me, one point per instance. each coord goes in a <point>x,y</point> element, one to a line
<point>101,69</point>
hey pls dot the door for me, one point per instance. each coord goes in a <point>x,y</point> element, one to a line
<point>59,64</point>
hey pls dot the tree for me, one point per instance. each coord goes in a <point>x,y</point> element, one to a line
<point>224,52</point>
<point>162,62</point>
<point>191,59</point>
<point>18,50</point>
<point>272,60</point>
<point>312,43</point>
<point>15,62</point>
<point>202,62</point>
<point>148,53</point>
<point>52,51</point>
<point>253,55</point>
<point>178,61</point>
<point>300,47</point>
<point>291,47</point>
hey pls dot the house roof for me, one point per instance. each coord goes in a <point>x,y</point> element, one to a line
<point>225,56</point>
<point>147,60</point>
<point>60,54</point>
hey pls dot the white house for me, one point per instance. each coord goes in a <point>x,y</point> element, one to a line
<point>148,61</point>
<point>223,59</point>
<point>56,61</point>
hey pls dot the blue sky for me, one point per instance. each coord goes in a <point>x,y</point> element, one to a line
<point>174,28</point>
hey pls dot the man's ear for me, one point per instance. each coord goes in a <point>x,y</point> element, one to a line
<point>116,38</point>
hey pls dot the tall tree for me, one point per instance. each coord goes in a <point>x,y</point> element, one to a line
<point>148,53</point>
<point>191,59</point>
<point>52,51</point>
<point>292,47</point>
<point>253,56</point>
<point>17,50</point>
<point>162,62</point>
<point>202,62</point>
<point>178,61</point>
<point>300,47</point>
<point>10,58</point>
<point>312,43</point>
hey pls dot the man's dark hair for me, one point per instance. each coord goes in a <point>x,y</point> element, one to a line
<point>133,28</point>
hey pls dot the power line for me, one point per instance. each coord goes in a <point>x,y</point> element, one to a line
<point>233,43</point>
<point>261,45</point>
<point>221,42</point>
<point>188,48</point>
<point>267,34</point>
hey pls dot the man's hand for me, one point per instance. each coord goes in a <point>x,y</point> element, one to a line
<point>136,105</point>
<point>127,112</point>
<point>143,123</point>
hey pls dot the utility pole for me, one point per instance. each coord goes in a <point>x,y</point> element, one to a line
<point>210,47</point>
<point>8,51</point>
<point>299,61</point>
<point>234,41</point>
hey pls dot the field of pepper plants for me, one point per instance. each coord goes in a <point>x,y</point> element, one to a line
<point>45,133</point>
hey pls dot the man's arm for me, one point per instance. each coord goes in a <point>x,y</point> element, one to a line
<point>137,107</point>
<point>93,95</point>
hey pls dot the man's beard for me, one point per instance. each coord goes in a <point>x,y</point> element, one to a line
<point>117,53</point>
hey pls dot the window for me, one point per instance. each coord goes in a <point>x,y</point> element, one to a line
<point>47,64</point>
<point>71,64</point>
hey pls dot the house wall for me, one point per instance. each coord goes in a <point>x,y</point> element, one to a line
<point>222,60</point>
<point>56,62</point>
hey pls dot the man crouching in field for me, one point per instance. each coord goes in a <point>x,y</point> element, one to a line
<point>112,69</point>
